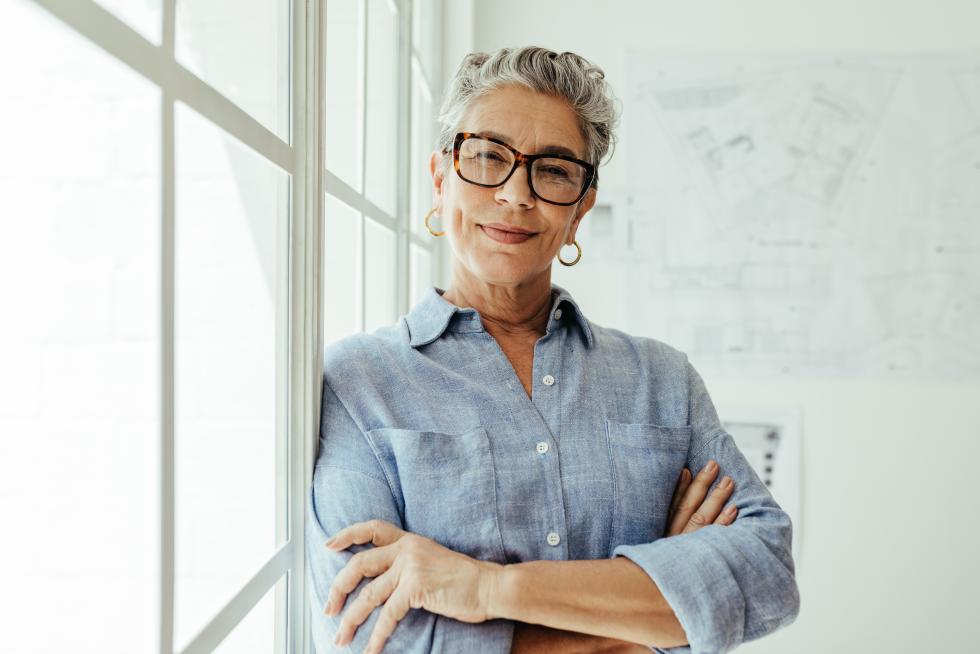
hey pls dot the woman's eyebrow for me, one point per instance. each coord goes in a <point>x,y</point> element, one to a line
<point>548,149</point>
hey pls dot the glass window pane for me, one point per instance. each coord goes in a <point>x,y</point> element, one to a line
<point>144,16</point>
<point>242,53</point>
<point>421,272</point>
<point>79,343</point>
<point>256,633</point>
<point>231,210</point>
<point>382,105</point>
<point>344,72</point>
<point>379,287</point>
<point>426,40</point>
<point>423,143</point>
<point>342,271</point>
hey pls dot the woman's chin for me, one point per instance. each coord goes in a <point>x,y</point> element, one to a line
<point>504,273</point>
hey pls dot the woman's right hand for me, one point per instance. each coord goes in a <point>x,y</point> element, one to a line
<point>689,510</point>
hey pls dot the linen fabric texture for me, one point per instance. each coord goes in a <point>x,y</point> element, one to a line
<point>425,424</point>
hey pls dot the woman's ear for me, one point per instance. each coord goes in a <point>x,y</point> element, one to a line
<point>584,206</point>
<point>438,175</point>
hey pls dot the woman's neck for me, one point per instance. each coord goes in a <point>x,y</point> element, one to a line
<point>506,311</point>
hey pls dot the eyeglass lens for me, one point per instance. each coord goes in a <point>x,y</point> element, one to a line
<point>553,179</point>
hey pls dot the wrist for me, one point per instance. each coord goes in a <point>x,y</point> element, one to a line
<point>497,590</point>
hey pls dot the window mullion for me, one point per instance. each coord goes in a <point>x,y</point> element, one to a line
<point>235,610</point>
<point>403,183</point>
<point>167,335</point>
<point>362,56</point>
<point>442,267</point>
<point>288,296</point>
<point>306,311</point>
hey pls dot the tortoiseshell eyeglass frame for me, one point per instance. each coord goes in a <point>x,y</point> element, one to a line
<point>527,160</point>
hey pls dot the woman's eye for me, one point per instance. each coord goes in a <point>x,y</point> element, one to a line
<point>552,170</point>
<point>490,155</point>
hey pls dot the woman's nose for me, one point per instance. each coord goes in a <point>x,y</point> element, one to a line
<point>516,189</point>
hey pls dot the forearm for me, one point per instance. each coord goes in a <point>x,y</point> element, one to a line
<point>539,639</point>
<point>611,598</point>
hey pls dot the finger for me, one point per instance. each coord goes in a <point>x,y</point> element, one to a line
<point>727,516</point>
<point>682,483</point>
<point>377,532</point>
<point>394,610</point>
<point>693,497</point>
<point>369,563</point>
<point>712,506</point>
<point>371,596</point>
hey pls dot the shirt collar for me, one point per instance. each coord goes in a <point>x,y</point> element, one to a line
<point>433,315</point>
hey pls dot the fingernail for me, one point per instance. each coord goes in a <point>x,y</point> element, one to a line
<point>329,541</point>
<point>726,482</point>
<point>710,467</point>
<point>732,509</point>
<point>336,640</point>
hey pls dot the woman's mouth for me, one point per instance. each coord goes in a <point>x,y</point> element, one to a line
<point>503,236</point>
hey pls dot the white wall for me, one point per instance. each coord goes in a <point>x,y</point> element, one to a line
<point>888,517</point>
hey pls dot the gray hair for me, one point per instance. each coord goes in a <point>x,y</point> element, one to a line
<point>567,76</point>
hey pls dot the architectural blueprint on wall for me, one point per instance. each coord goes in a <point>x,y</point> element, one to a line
<point>805,214</point>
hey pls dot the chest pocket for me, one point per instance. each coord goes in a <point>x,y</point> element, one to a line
<point>646,461</point>
<point>447,487</point>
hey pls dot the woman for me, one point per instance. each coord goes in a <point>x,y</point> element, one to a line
<point>505,465</point>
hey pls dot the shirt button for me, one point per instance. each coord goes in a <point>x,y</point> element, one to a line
<point>548,380</point>
<point>553,538</point>
<point>542,447</point>
<point>557,314</point>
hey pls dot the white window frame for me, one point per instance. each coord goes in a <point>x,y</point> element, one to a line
<point>411,68</point>
<point>300,310</point>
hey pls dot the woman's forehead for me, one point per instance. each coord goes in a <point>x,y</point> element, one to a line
<point>521,117</point>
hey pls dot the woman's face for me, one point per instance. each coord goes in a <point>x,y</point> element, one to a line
<point>530,122</point>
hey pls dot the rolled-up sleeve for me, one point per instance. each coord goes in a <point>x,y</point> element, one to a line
<point>726,584</point>
<point>349,486</point>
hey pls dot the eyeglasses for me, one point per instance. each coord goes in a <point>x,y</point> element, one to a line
<point>554,178</point>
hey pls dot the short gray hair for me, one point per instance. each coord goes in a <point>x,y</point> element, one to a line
<point>567,76</point>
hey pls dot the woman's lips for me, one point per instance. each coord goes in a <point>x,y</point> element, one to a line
<point>501,236</point>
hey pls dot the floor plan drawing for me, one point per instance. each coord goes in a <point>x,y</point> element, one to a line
<point>804,214</point>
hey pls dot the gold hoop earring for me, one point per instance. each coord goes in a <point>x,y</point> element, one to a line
<point>577,257</point>
<point>427,216</point>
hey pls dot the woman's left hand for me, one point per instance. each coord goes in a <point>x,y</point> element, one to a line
<point>411,571</point>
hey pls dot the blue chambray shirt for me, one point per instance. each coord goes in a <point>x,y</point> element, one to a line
<point>425,424</point>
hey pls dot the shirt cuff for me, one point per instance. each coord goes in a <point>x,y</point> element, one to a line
<point>419,632</point>
<point>455,637</point>
<point>695,579</point>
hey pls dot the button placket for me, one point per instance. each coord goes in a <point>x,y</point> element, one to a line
<point>547,359</point>
<point>547,370</point>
